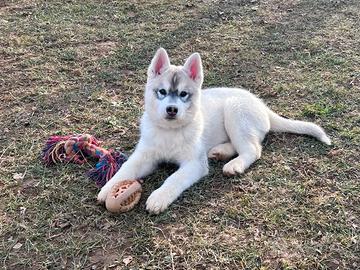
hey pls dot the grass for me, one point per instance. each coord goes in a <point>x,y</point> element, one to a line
<point>79,66</point>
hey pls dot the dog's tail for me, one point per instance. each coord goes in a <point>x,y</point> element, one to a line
<point>281,124</point>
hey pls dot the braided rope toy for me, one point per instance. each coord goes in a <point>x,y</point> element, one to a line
<point>78,149</point>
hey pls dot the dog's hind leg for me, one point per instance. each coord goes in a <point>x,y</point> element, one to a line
<point>250,151</point>
<point>222,151</point>
<point>246,125</point>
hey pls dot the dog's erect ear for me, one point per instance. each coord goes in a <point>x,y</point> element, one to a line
<point>159,63</point>
<point>193,67</point>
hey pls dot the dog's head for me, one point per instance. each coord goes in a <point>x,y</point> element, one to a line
<point>172,95</point>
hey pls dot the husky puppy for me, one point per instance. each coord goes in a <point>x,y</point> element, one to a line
<point>186,125</point>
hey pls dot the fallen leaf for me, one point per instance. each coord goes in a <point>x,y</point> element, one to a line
<point>127,260</point>
<point>335,152</point>
<point>77,72</point>
<point>17,246</point>
<point>18,176</point>
<point>22,210</point>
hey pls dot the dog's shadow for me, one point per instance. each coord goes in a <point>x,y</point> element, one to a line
<point>215,189</point>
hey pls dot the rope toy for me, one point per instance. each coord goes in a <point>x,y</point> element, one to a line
<point>78,149</point>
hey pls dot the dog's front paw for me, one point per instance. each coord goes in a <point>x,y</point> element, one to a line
<point>105,190</point>
<point>234,167</point>
<point>103,193</point>
<point>159,200</point>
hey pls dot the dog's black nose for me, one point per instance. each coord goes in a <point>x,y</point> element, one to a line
<point>171,111</point>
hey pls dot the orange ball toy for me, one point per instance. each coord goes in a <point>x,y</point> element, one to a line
<point>123,196</point>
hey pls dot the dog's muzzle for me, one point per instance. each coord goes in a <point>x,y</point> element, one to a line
<point>171,112</point>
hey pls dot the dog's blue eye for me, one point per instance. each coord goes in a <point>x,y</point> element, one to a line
<point>162,92</point>
<point>183,94</point>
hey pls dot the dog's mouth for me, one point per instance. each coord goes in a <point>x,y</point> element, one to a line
<point>170,117</point>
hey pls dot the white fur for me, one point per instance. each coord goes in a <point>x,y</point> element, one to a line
<point>218,123</point>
